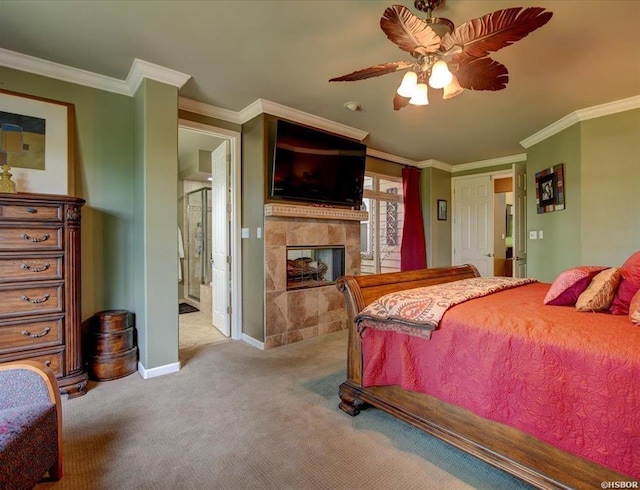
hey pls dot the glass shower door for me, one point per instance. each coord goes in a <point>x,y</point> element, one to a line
<point>198,250</point>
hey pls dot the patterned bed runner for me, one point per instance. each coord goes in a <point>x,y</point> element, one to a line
<point>418,311</point>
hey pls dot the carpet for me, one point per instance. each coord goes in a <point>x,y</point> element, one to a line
<point>238,418</point>
<point>186,308</point>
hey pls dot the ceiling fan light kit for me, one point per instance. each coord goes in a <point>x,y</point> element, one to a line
<point>420,95</point>
<point>408,85</point>
<point>450,58</point>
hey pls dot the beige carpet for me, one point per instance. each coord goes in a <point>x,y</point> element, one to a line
<point>235,417</point>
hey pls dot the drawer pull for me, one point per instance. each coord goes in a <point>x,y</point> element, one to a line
<point>27,267</point>
<point>32,210</point>
<point>35,300</point>
<point>47,363</point>
<point>26,333</point>
<point>35,240</point>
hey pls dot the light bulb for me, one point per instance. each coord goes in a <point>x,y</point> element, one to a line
<point>440,75</point>
<point>408,86</point>
<point>420,96</point>
<point>453,89</point>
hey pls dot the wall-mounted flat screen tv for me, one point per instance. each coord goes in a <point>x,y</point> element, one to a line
<point>313,166</point>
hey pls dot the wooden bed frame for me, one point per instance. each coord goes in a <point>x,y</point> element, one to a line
<point>515,452</point>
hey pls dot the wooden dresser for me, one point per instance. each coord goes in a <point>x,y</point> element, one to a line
<point>40,285</point>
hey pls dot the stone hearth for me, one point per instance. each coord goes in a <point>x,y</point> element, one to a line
<point>294,315</point>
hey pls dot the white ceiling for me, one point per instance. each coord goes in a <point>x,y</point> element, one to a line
<point>286,51</point>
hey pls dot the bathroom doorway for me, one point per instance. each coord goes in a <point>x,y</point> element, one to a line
<point>197,144</point>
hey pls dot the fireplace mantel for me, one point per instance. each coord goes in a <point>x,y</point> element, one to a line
<point>314,212</point>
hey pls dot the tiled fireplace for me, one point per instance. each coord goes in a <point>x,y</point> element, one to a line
<point>319,244</point>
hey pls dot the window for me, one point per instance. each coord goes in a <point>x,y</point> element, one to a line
<point>380,237</point>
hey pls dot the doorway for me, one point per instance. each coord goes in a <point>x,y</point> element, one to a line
<point>490,221</point>
<point>197,143</point>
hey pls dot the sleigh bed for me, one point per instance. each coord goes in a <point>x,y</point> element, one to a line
<point>473,382</point>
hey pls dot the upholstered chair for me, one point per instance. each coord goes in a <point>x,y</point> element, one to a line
<point>30,425</point>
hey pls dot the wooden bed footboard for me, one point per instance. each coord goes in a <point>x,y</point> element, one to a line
<point>519,454</point>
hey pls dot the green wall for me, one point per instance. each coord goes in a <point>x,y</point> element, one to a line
<point>253,198</point>
<point>156,218</point>
<point>126,166</point>
<point>104,177</point>
<point>610,197</point>
<point>126,169</point>
<point>561,228</point>
<point>436,184</point>
<point>601,223</point>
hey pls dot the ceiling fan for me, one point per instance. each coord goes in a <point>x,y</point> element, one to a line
<point>448,57</point>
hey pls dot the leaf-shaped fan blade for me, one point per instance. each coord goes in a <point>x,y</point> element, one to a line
<point>408,32</point>
<point>496,30</point>
<point>482,74</point>
<point>399,102</point>
<point>374,71</point>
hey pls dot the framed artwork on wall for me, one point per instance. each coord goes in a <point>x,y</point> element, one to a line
<point>550,189</point>
<point>442,210</point>
<point>37,142</point>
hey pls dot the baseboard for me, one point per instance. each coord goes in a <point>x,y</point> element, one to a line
<point>158,371</point>
<point>253,342</point>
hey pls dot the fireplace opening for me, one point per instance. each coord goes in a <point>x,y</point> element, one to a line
<point>309,267</point>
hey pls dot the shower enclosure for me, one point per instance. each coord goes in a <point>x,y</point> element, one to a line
<point>198,242</point>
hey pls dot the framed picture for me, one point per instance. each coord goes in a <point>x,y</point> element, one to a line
<point>442,210</point>
<point>37,141</point>
<point>550,189</point>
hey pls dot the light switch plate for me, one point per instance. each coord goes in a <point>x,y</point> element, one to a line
<point>540,235</point>
<point>245,232</point>
<point>533,235</point>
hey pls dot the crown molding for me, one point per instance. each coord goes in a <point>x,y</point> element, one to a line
<point>391,158</point>
<point>203,109</point>
<point>436,164</point>
<point>38,66</point>
<point>582,115</point>
<point>300,117</point>
<point>140,69</point>
<point>520,157</point>
<point>262,106</point>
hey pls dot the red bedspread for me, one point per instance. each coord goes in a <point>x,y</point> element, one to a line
<point>570,379</point>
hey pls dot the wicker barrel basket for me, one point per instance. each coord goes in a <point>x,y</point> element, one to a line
<point>112,352</point>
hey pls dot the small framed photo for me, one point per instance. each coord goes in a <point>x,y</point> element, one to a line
<point>442,210</point>
<point>550,189</point>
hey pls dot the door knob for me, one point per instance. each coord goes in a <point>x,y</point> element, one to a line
<point>488,255</point>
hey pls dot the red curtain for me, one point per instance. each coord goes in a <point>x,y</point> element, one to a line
<point>413,250</point>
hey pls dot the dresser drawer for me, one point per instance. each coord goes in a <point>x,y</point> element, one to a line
<point>29,212</point>
<point>31,334</point>
<point>54,360</point>
<point>31,299</point>
<point>30,238</point>
<point>30,268</point>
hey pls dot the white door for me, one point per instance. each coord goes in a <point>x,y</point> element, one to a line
<point>473,223</point>
<point>520,220</point>
<point>220,231</point>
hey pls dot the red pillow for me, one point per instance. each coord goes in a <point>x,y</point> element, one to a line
<point>570,284</point>
<point>634,308</point>
<point>629,285</point>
